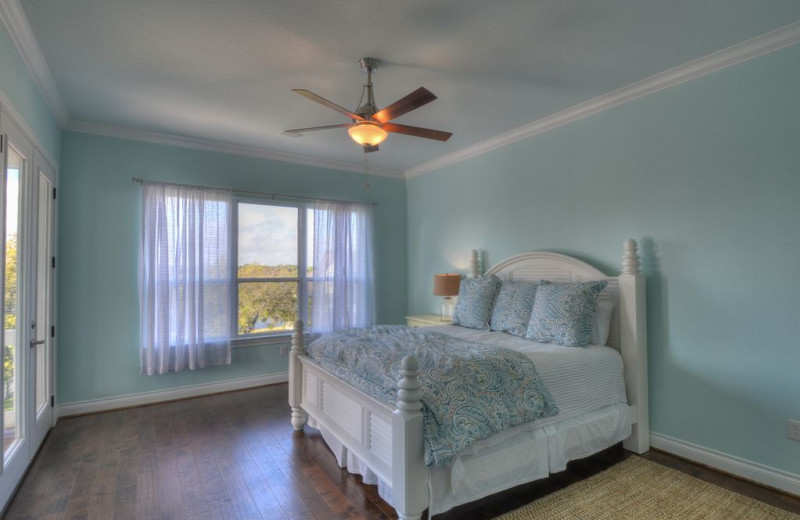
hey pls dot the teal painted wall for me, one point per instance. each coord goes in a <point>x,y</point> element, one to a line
<point>99,211</point>
<point>706,176</point>
<point>18,86</point>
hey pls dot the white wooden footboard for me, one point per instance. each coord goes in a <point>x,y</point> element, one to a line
<point>388,440</point>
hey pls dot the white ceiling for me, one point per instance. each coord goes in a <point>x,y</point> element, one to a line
<point>222,70</point>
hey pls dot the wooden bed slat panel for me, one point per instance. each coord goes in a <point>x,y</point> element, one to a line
<point>380,438</point>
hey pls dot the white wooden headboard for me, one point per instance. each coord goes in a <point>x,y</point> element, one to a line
<point>628,323</point>
<point>560,268</point>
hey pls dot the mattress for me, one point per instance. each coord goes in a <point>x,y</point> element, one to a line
<point>587,386</point>
<point>580,380</point>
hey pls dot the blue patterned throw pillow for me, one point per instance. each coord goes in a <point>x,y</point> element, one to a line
<point>512,310</point>
<point>475,300</point>
<point>563,313</point>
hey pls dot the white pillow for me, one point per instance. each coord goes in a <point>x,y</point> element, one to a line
<point>602,323</point>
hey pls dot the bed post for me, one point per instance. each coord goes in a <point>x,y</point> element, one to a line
<point>409,474</point>
<point>633,346</point>
<point>296,376</point>
<point>474,264</point>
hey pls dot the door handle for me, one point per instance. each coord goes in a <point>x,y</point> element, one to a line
<point>33,339</point>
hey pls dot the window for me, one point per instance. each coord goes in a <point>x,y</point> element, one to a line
<point>273,259</point>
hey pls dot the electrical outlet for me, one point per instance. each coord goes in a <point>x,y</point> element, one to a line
<point>793,430</point>
<point>284,350</point>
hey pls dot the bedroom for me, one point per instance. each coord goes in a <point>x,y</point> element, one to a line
<point>704,174</point>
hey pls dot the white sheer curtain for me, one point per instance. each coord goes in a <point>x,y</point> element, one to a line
<point>184,278</point>
<point>344,287</point>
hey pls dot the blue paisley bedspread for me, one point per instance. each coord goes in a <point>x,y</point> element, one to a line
<point>470,391</point>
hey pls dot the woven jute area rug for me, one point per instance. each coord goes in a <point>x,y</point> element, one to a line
<point>639,489</point>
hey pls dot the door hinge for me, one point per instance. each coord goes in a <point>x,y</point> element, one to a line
<point>1,144</point>
<point>53,262</point>
<point>52,331</point>
<point>54,193</point>
<point>52,401</point>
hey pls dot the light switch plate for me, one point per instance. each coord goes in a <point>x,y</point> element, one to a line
<point>793,430</point>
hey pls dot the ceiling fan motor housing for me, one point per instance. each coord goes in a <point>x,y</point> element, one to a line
<point>369,64</point>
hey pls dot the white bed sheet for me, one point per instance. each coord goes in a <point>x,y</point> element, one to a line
<point>586,384</point>
<point>579,379</point>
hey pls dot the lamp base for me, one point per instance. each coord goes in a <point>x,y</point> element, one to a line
<point>446,309</point>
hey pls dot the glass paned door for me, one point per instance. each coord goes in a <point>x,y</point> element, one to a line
<point>11,354</point>
<point>27,220</point>
<point>17,160</point>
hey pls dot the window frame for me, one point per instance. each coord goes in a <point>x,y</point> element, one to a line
<point>302,279</point>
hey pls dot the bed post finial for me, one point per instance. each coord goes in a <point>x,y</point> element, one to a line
<point>630,258</point>
<point>409,473</point>
<point>474,264</point>
<point>409,394</point>
<point>296,376</point>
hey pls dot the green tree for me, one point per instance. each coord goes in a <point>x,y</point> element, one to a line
<point>271,303</point>
<point>10,318</point>
<point>10,297</point>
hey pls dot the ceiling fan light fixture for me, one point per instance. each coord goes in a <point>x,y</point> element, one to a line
<point>367,133</point>
<point>370,126</point>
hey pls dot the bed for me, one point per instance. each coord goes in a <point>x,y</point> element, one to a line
<point>384,443</point>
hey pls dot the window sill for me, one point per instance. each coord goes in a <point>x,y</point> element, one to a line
<point>274,339</point>
<point>282,338</point>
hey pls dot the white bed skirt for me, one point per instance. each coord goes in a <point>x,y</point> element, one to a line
<point>511,458</point>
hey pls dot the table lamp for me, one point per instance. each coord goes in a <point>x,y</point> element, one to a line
<point>446,285</point>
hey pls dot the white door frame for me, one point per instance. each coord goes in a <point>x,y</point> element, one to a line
<point>13,467</point>
<point>40,265</point>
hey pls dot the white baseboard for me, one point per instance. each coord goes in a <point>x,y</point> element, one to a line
<point>765,475</point>
<point>126,401</point>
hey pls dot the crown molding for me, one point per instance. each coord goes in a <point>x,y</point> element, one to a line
<point>16,23</point>
<point>8,107</point>
<point>733,55</point>
<point>121,132</point>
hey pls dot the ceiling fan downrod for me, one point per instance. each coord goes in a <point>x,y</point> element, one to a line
<point>368,65</point>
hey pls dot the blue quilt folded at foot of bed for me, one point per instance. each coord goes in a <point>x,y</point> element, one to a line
<point>470,391</point>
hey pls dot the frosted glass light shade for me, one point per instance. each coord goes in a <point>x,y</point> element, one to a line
<point>367,133</point>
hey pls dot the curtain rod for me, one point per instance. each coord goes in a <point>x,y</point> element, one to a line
<point>137,180</point>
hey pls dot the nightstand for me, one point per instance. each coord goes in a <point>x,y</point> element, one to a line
<point>427,320</point>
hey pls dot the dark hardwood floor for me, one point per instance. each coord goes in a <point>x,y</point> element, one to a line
<point>235,456</point>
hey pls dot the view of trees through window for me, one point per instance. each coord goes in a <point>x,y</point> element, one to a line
<point>10,300</point>
<point>273,283</point>
<point>10,322</point>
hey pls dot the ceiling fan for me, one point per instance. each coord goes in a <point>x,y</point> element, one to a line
<point>370,126</point>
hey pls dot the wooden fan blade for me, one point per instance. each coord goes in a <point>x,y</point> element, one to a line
<point>330,104</point>
<point>416,131</point>
<point>313,128</point>
<point>416,99</point>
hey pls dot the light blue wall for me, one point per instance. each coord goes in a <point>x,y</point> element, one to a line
<point>99,210</point>
<point>18,86</point>
<point>706,176</point>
